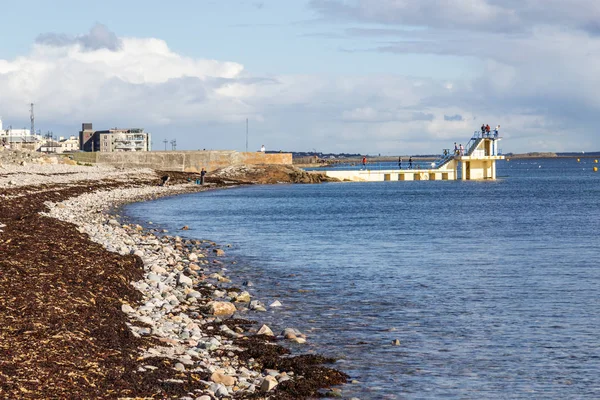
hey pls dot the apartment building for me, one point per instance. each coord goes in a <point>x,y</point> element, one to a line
<point>114,140</point>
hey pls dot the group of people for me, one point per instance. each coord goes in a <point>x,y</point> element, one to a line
<point>409,162</point>
<point>486,130</point>
<point>459,150</point>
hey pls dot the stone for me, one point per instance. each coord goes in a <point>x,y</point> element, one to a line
<point>222,391</point>
<point>185,228</point>
<point>276,303</point>
<point>179,367</point>
<point>205,397</point>
<point>193,257</point>
<point>138,253</point>
<point>159,270</point>
<point>265,330</point>
<point>153,278</point>
<point>268,384</point>
<point>184,280</point>
<point>396,342</point>
<point>126,308</point>
<point>243,297</point>
<point>221,308</point>
<point>193,294</point>
<point>220,377</point>
<point>298,340</point>
<point>219,252</point>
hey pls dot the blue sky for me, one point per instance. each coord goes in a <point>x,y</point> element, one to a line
<point>386,76</point>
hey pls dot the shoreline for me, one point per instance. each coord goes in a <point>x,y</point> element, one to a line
<point>173,310</point>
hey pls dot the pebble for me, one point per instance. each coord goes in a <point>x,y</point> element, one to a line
<point>180,318</point>
<point>219,377</point>
<point>179,367</point>
<point>268,383</point>
<point>126,308</point>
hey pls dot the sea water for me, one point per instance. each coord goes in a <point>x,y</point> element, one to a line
<point>492,288</point>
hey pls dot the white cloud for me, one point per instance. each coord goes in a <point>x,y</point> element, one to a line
<point>541,87</point>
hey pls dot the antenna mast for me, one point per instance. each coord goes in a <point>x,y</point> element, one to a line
<point>32,117</point>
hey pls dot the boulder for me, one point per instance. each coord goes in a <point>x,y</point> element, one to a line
<point>221,308</point>
<point>243,297</point>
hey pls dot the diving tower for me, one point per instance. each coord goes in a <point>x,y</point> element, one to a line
<point>477,162</point>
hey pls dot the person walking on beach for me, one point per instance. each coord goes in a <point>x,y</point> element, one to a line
<point>399,162</point>
<point>410,162</point>
<point>202,174</point>
<point>364,162</point>
<point>462,150</point>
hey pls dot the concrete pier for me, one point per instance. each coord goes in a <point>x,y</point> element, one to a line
<point>478,162</point>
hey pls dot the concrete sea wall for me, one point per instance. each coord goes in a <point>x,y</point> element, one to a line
<point>188,161</point>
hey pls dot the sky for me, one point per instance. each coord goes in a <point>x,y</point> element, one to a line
<point>389,77</point>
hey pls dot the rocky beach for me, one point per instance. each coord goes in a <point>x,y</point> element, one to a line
<point>94,307</point>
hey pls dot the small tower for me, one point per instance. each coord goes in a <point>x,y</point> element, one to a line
<point>479,159</point>
<point>32,120</point>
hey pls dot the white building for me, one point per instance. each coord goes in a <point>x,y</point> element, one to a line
<point>114,140</point>
<point>68,145</point>
<point>61,146</point>
<point>19,138</point>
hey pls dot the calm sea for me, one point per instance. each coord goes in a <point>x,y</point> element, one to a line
<point>492,288</point>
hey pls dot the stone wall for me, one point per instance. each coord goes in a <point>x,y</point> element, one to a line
<point>83,157</point>
<point>188,161</point>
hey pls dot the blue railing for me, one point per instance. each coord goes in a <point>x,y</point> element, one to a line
<point>445,157</point>
<point>472,143</point>
<point>380,166</point>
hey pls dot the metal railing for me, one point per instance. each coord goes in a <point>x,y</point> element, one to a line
<point>447,156</point>
<point>380,166</point>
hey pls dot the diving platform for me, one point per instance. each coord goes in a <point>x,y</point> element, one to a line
<point>476,162</point>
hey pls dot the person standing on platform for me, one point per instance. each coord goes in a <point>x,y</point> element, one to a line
<point>364,162</point>
<point>262,148</point>
<point>487,130</point>
<point>455,149</point>
<point>462,150</point>
<point>482,130</point>
<point>399,162</point>
<point>410,162</point>
<point>496,131</point>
